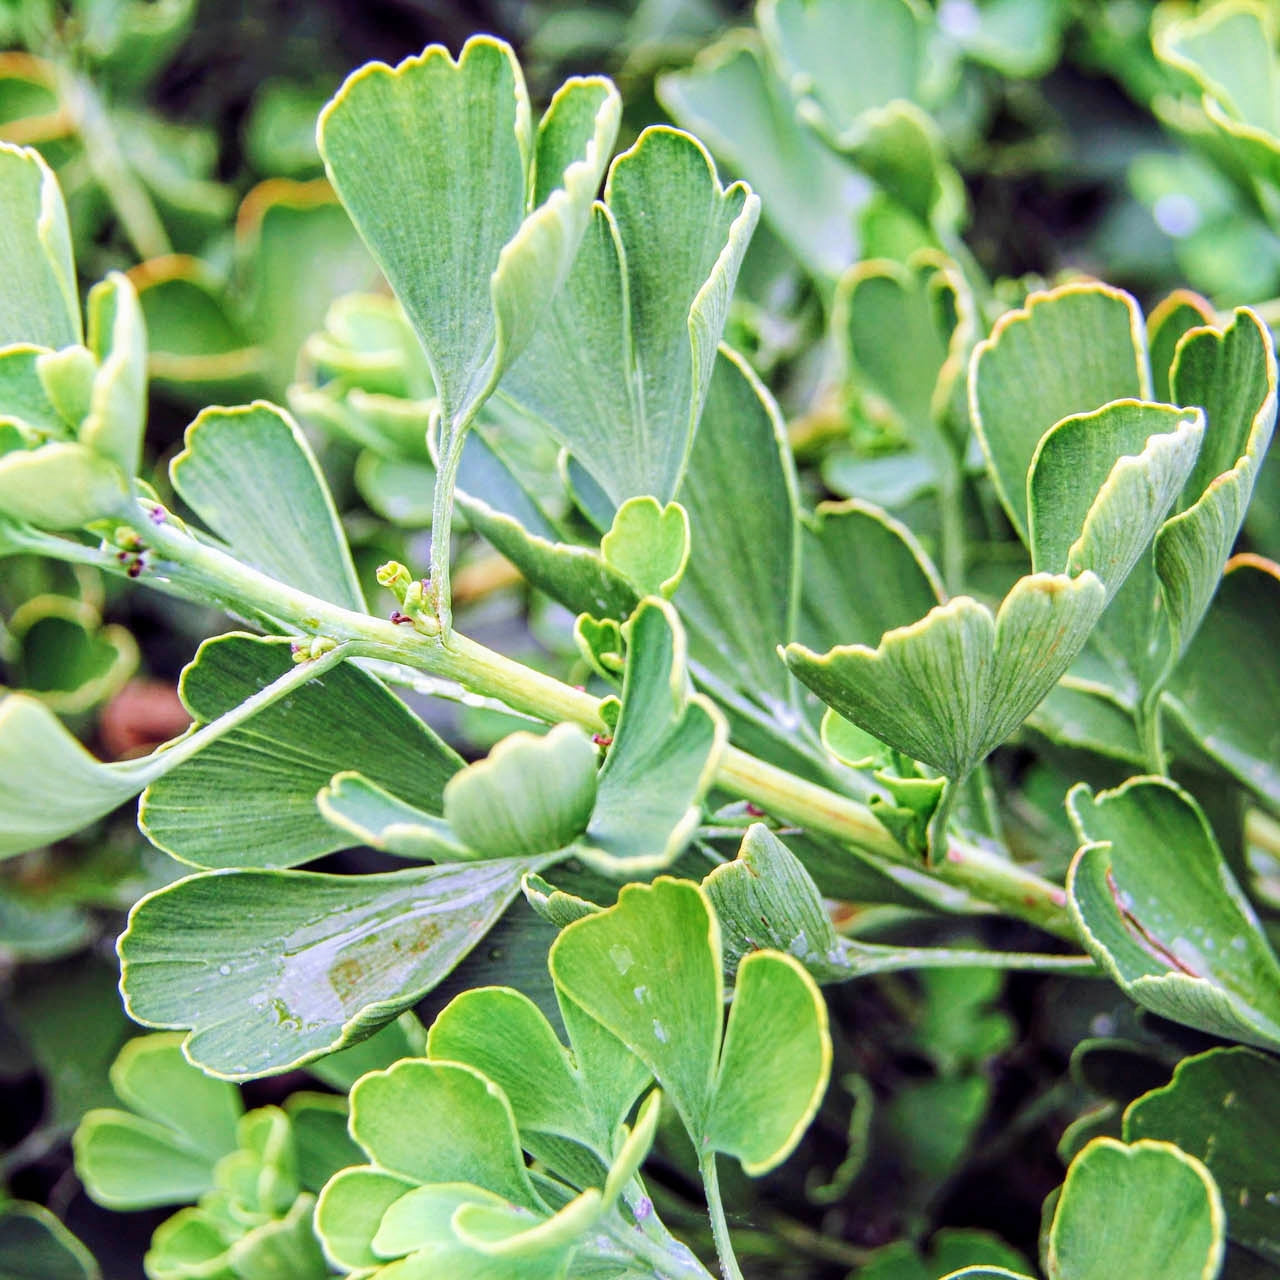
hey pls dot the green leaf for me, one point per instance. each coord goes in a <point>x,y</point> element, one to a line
<point>441,1122</point>
<point>649,970</point>
<point>349,1213</point>
<point>1067,352</point>
<point>162,1151</point>
<point>1222,1108</point>
<point>740,494</point>
<point>927,309</point>
<point>39,302</point>
<point>1226,690</point>
<point>503,1035</point>
<point>118,406</point>
<point>950,688</point>
<point>1101,483</point>
<point>1174,931</point>
<point>372,815</point>
<point>60,486</point>
<point>1233,374</point>
<point>864,574</point>
<point>50,786</point>
<point>1110,1188</point>
<point>619,370</point>
<point>271,969</point>
<point>774,1065</point>
<point>950,1248</point>
<point>533,794</point>
<point>318,1124</point>
<point>34,1245</point>
<point>648,545</point>
<point>666,747</point>
<point>1181,311</point>
<point>276,765</point>
<point>734,100</point>
<point>249,474</point>
<point>24,371</point>
<point>847,59</point>
<point>485,249</point>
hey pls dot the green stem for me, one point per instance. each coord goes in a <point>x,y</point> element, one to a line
<point>447,461</point>
<point>178,559</point>
<point>719,1225</point>
<point>1151,732</point>
<point>128,196</point>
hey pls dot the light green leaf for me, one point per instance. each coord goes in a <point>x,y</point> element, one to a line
<point>23,397</point>
<point>1222,1108</point>
<point>649,971</point>
<point>1101,483</point>
<point>648,545</point>
<point>404,1038</point>
<point>484,250</point>
<point>1232,373</point>
<point>1226,690</point>
<point>60,486</point>
<point>34,1245</point>
<point>349,1213</point>
<point>50,786</point>
<point>926,307</point>
<point>734,100</point>
<point>951,1248</point>
<point>373,816</point>
<point>1159,909</point>
<point>424,1215</point>
<point>1068,351</point>
<point>1110,1189</point>
<point>864,574</point>
<point>847,57</point>
<point>774,1065</point>
<point>740,452</point>
<point>118,406</point>
<point>505,1037</point>
<point>950,688</point>
<point>182,1122</point>
<point>277,764</point>
<point>1169,320</point>
<point>271,969</point>
<point>39,302</point>
<point>619,370</point>
<point>666,747</point>
<point>318,1127</point>
<point>441,1122</point>
<point>532,794</point>
<point>249,474</point>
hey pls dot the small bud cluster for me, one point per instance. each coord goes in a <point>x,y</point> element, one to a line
<point>413,595</point>
<point>308,650</point>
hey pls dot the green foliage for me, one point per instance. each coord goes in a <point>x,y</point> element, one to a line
<point>1010,703</point>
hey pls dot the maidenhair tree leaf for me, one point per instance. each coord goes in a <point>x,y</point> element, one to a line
<point>163,1151</point>
<point>1232,374</point>
<point>1159,909</point>
<point>271,969</point>
<point>950,688</point>
<point>1111,1187</point>
<point>278,763</point>
<point>34,1245</point>
<point>50,786</point>
<point>1223,1107</point>
<point>531,794</point>
<point>441,1122</point>
<point>740,495</point>
<point>62,485</point>
<point>850,58</point>
<point>864,574</point>
<point>373,816</point>
<point>475,262</point>
<point>734,99</point>
<point>649,970</point>
<point>1101,483</point>
<point>1181,311</point>
<point>648,544</point>
<point>39,301</point>
<point>118,405</point>
<point>1226,690</point>
<point>666,747</point>
<point>250,475</point>
<point>774,1064</point>
<point>1068,351</point>
<point>620,368</point>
